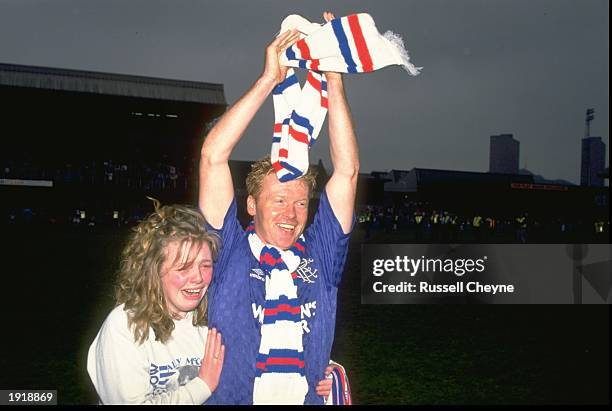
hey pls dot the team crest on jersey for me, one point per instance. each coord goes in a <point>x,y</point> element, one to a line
<point>306,272</point>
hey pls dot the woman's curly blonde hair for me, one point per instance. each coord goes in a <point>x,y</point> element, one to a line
<point>139,284</point>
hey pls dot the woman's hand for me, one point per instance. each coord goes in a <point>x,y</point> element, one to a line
<point>212,363</point>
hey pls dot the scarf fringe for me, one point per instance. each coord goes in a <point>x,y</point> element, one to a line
<point>397,43</point>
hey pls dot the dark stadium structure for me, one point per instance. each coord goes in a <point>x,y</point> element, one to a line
<point>495,193</point>
<point>75,140</point>
<point>462,205</point>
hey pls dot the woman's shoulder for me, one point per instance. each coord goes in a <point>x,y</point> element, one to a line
<point>116,320</point>
<point>118,314</point>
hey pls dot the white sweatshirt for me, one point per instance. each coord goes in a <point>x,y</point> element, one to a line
<point>125,372</point>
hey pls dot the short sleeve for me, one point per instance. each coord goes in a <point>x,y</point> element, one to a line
<point>326,239</point>
<point>230,233</point>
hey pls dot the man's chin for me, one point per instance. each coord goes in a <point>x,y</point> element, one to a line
<point>284,243</point>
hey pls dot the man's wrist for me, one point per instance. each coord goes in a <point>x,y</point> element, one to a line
<point>265,82</point>
<point>334,83</point>
<point>333,77</point>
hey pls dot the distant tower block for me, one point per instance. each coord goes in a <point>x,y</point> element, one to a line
<point>504,154</point>
<point>593,157</point>
<point>593,162</point>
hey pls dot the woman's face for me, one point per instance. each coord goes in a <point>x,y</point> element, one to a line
<point>185,285</point>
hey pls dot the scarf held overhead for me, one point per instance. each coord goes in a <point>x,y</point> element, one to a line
<point>350,44</point>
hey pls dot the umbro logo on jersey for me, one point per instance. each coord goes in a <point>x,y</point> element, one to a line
<point>258,274</point>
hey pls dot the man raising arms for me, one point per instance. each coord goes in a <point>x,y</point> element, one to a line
<point>238,294</point>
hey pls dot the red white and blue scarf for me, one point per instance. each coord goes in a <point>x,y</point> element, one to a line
<point>280,376</point>
<point>350,44</point>
<point>341,391</point>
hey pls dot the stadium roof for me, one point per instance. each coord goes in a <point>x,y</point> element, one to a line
<point>48,78</point>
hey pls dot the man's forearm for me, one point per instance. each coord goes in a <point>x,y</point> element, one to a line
<point>224,136</point>
<point>342,141</point>
<point>216,189</point>
<point>342,185</point>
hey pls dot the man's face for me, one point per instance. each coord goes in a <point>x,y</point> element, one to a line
<point>280,212</point>
<point>185,285</point>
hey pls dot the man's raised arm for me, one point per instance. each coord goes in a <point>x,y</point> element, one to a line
<point>216,189</point>
<point>342,185</point>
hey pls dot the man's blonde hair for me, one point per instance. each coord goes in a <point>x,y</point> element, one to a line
<point>262,167</point>
<point>139,284</point>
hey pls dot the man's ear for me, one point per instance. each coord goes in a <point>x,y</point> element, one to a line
<point>251,205</point>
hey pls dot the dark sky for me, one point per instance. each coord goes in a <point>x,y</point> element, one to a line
<point>526,67</point>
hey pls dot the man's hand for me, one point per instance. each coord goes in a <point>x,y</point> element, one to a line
<point>331,75</point>
<point>324,386</point>
<point>328,16</point>
<point>210,370</point>
<point>273,71</point>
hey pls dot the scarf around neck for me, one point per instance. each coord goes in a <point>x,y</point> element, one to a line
<point>280,376</point>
